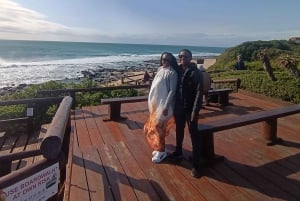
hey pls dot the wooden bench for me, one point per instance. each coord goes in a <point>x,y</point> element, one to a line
<point>226,82</point>
<point>114,108</point>
<point>220,96</point>
<point>269,126</point>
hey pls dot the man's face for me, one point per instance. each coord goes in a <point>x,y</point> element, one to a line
<point>184,58</point>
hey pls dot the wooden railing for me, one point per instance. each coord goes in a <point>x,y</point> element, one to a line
<point>35,105</point>
<point>129,79</point>
<point>54,149</point>
<point>72,92</point>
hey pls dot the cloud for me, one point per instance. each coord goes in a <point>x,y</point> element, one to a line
<point>17,22</point>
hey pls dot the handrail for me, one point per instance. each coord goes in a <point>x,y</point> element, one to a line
<point>71,92</point>
<point>135,75</point>
<point>32,100</point>
<point>19,155</point>
<point>51,144</point>
<point>51,147</point>
<point>92,89</point>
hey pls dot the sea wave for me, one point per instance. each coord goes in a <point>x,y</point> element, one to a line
<point>88,60</point>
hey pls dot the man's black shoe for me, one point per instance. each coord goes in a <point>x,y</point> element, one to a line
<point>176,155</point>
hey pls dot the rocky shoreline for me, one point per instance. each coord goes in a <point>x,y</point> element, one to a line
<point>110,76</point>
<point>103,76</point>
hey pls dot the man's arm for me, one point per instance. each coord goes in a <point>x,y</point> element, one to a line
<point>198,79</point>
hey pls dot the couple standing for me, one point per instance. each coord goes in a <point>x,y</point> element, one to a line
<point>175,91</point>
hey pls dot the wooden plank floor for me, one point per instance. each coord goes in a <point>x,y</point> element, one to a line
<point>111,160</point>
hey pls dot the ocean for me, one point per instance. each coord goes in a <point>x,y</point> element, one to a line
<point>32,62</point>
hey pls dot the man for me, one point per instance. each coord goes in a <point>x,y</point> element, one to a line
<point>240,65</point>
<point>187,106</point>
<point>206,83</point>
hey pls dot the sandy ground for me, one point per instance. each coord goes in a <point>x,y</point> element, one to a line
<point>209,62</point>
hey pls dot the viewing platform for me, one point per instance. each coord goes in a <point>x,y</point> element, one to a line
<point>111,160</point>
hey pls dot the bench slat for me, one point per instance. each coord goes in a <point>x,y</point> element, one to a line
<point>243,120</point>
<point>124,99</point>
<point>220,90</point>
<point>114,109</point>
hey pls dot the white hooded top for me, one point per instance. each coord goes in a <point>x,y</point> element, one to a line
<point>162,92</point>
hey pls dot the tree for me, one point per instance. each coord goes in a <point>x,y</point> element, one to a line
<point>263,56</point>
<point>289,63</point>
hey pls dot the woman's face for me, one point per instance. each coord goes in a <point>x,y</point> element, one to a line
<point>165,60</point>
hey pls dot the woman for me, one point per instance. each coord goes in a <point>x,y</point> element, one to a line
<point>160,102</point>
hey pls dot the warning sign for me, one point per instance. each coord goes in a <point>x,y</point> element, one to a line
<point>39,186</point>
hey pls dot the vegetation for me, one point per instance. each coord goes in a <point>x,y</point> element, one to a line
<point>265,61</point>
<point>44,113</point>
<point>286,88</point>
<point>249,51</point>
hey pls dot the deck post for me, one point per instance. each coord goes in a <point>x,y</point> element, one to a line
<point>208,149</point>
<point>30,125</point>
<point>223,98</point>
<point>208,145</point>
<point>73,94</point>
<point>114,111</point>
<point>270,131</point>
<point>5,167</point>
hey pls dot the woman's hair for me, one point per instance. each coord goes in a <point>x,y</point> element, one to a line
<point>173,60</point>
<point>160,62</point>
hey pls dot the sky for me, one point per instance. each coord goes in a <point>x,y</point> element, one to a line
<point>217,23</point>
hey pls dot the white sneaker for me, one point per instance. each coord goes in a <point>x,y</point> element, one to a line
<point>159,156</point>
<point>154,152</point>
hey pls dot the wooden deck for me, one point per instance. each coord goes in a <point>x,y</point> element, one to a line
<point>22,142</point>
<point>111,160</point>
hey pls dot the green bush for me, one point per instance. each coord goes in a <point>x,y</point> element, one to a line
<point>286,88</point>
<point>44,113</point>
